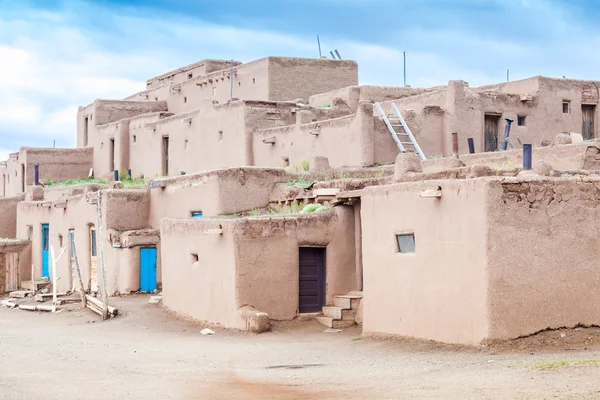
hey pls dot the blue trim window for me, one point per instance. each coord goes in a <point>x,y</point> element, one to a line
<point>196,214</point>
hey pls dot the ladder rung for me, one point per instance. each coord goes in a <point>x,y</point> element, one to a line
<point>407,143</point>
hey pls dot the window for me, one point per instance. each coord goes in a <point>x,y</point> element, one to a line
<point>134,138</point>
<point>29,231</point>
<point>190,75</point>
<point>253,80</point>
<point>196,214</point>
<point>185,144</point>
<point>60,241</point>
<point>185,99</point>
<point>405,242</point>
<point>220,135</point>
<point>93,243</point>
<point>566,107</point>
<point>521,120</point>
<point>195,257</point>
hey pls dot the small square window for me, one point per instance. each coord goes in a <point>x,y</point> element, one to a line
<point>406,242</point>
<point>195,258</point>
<point>566,107</point>
<point>521,120</point>
<point>190,75</point>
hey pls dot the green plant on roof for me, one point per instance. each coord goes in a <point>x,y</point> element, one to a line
<point>71,182</point>
<point>305,164</point>
<point>313,208</point>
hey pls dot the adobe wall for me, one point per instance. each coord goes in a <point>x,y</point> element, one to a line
<point>189,72</point>
<point>425,116</point>
<point>78,215</point>
<point>103,112</point>
<point>561,157</point>
<point>205,288</point>
<point>543,247</point>
<point>426,294</point>
<point>355,94</point>
<point>213,193</point>
<point>346,141</point>
<point>293,78</point>
<point>267,254</point>
<point>8,216</point>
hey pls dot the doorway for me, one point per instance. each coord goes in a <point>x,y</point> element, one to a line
<point>112,154</point>
<point>22,178</point>
<point>147,269</point>
<point>588,114</point>
<point>45,247</point>
<point>93,261</point>
<point>165,156</point>
<point>490,133</point>
<point>311,279</point>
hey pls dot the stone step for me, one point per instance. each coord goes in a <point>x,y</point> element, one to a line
<point>335,323</point>
<point>339,313</point>
<point>347,301</point>
<point>26,285</point>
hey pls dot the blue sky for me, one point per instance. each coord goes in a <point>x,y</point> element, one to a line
<point>58,55</point>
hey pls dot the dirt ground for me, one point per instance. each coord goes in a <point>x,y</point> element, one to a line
<point>149,353</point>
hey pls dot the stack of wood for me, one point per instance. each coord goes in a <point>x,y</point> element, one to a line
<point>96,306</point>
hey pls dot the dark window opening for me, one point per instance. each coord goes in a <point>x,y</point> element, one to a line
<point>190,75</point>
<point>521,120</point>
<point>195,258</point>
<point>134,139</point>
<point>60,241</point>
<point>405,242</point>
<point>93,244</point>
<point>253,80</point>
<point>185,99</point>
<point>85,131</point>
<point>566,107</point>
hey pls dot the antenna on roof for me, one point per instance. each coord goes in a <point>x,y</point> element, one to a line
<point>404,55</point>
<point>319,43</point>
<point>508,75</point>
<point>338,54</point>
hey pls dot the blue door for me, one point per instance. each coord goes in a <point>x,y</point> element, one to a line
<point>45,245</point>
<point>147,269</point>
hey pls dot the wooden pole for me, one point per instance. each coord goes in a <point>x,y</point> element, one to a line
<point>32,280</point>
<point>76,262</point>
<point>102,264</point>
<point>54,277</point>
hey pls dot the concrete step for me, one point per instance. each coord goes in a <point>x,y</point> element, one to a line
<point>26,285</point>
<point>339,313</point>
<point>335,323</point>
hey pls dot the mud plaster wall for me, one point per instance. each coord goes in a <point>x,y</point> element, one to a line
<point>425,294</point>
<point>107,159</point>
<point>345,141</point>
<point>543,242</point>
<point>215,192</point>
<point>8,216</point>
<point>3,264</point>
<point>292,78</point>
<point>215,138</point>
<point>202,289</point>
<point>267,254</point>
<point>79,216</point>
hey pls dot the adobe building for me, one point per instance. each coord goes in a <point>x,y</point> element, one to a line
<point>273,189</point>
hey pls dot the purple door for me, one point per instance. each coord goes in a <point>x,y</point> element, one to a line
<point>312,279</point>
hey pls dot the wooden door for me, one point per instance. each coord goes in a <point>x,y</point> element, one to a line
<point>93,261</point>
<point>490,132</point>
<point>12,271</point>
<point>165,156</point>
<point>45,248</point>
<point>147,269</point>
<point>311,279</point>
<point>588,113</point>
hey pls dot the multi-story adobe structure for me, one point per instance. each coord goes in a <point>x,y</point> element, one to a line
<point>225,242</point>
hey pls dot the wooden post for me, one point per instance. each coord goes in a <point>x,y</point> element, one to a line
<point>54,277</point>
<point>102,264</point>
<point>32,280</point>
<point>81,288</point>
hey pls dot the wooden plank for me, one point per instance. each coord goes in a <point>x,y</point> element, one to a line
<point>19,294</point>
<point>36,308</point>
<point>98,303</point>
<point>60,302</point>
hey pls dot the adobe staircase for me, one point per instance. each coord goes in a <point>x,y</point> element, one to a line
<point>343,312</point>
